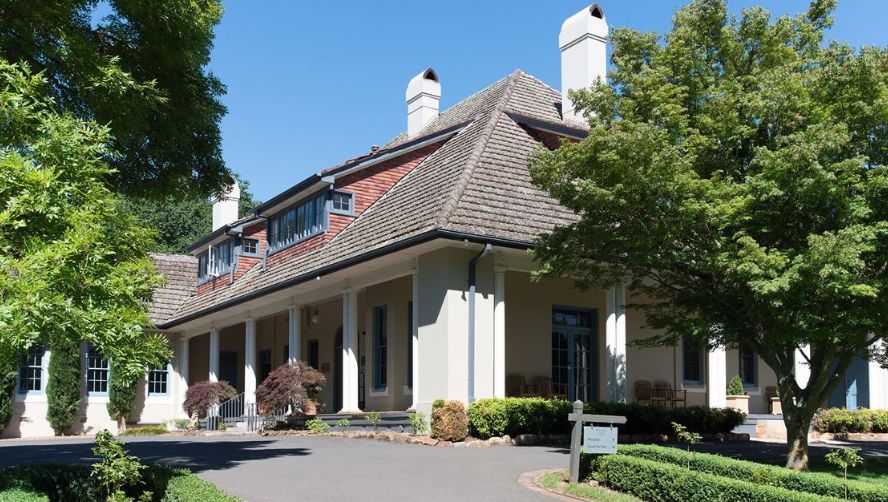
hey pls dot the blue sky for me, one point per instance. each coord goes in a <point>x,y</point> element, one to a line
<point>311,84</point>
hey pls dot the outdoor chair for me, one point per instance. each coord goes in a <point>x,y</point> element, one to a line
<point>643,392</point>
<point>664,394</point>
<point>540,386</point>
<point>515,386</point>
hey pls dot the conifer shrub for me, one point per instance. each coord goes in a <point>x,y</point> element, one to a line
<point>120,398</point>
<point>63,385</point>
<point>7,388</point>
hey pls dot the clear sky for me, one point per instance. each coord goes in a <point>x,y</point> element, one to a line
<point>311,84</point>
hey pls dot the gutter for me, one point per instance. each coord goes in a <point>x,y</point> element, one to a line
<point>472,283</point>
<point>348,262</point>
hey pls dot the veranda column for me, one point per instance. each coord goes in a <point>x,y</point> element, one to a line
<point>717,378</point>
<point>182,371</point>
<point>615,341</point>
<point>499,332</point>
<point>801,368</point>
<point>294,333</point>
<point>350,352</point>
<point>414,330</point>
<point>250,360</point>
<point>214,355</point>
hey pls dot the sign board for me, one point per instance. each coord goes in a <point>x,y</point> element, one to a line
<point>599,439</point>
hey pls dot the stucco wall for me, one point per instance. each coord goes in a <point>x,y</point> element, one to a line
<point>395,295</point>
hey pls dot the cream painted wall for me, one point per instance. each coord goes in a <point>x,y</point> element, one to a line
<point>395,295</point>
<point>329,321</point>
<point>199,359</point>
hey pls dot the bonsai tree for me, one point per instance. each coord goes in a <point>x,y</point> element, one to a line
<point>200,396</point>
<point>735,175</point>
<point>735,386</point>
<point>295,385</point>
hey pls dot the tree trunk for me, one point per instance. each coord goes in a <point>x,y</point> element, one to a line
<point>797,440</point>
<point>121,424</point>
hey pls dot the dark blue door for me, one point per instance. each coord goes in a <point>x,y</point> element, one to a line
<point>852,392</point>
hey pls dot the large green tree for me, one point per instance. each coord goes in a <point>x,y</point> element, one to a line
<point>73,263</point>
<point>735,174</point>
<point>139,67</point>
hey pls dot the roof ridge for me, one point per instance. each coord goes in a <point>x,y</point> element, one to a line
<point>462,182</point>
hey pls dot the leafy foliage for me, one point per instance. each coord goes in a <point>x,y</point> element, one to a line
<point>121,395</point>
<point>294,384</point>
<point>374,418</point>
<point>844,420</point>
<point>140,69</point>
<point>63,384</point>
<point>418,422</point>
<point>200,396</point>
<point>822,484</point>
<point>449,422</point>
<point>735,170</point>
<point>7,388</point>
<point>115,469</point>
<point>343,423</point>
<point>735,387</point>
<point>75,266</point>
<point>844,458</point>
<point>317,426</point>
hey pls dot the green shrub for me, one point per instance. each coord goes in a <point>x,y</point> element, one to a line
<point>374,417</point>
<point>7,388</point>
<point>317,426</point>
<point>343,423</point>
<point>735,387</point>
<point>121,395</point>
<point>115,469</point>
<point>815,483</point>
<point>861,420</point>
<point>657,482</point>
<point>187,487</point>
<point>535,415</point>
<point>20,495</point>
<point>437,403</point>
<point>449,422</point>
<point>145,430</point>
<point>63,385</point>
<point>418,422</point>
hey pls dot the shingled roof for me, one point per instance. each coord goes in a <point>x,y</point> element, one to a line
<point>178,272</point>
<point>477,183</point>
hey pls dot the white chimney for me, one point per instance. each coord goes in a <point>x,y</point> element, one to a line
<point>225,209</point>
<point>583,43</point>
<point>423,95</point>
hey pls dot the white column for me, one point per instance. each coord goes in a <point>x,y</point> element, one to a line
<point>350,352</point>
<point>294,333</point>
<point>414,391</point>
<point>499,332</point>
<point>615,343</point>
<point>250,360</point>
<point>801,368</point>
<point>182,372</point>
<point>878,386</point>
<point>717,378</point>
<point>214,355</point>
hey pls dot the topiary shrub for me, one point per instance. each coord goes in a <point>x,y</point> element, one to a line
<point>202,395</point>
<point>63,385</point>
<point>296,384</point>
<point>449,422</point>
<point>735,387</point>
<point>120,398</point>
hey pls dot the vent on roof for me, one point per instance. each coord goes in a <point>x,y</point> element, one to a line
<point>583,43</point>
<point>423,96</point>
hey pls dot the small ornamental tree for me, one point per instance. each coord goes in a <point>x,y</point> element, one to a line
<point>294,384</point>
<point>63,385</point>
<point>200,396</point>
<point>735,174</point>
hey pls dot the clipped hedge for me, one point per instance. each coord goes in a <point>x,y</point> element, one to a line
<point>657,482</point>
<point>860,420</point>
<point>535,415</point>
<point>821,484</point>
<point>449,421</point>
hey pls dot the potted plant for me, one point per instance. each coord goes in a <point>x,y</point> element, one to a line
<point>737,397</point>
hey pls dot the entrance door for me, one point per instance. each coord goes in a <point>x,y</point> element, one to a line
<point>228,367</point>
<point>337,371</point>
<point>852,392</point>
<point>573,354</point>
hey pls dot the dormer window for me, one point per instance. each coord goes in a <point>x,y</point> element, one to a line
<point>298,223</point>
<point>250,247</point>
<point>343,203</point>
<point>215,262</point>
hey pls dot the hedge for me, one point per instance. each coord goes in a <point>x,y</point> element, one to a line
<point>656,482</point>
<point>815,483</point>
<point>534,415</point>
<point>842,420</point>
<point>72,482</point>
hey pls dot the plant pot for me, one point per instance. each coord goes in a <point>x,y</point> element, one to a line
<point>776,406</point>
<point>739,403</point>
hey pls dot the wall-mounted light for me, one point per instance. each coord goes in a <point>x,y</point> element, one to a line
<point>315,317</point>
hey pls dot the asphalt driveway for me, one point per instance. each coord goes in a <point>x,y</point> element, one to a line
<point>323,468</point>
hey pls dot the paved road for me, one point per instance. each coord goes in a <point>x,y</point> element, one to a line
<point>324,468</point>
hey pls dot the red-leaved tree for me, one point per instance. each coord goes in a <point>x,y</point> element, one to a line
<point>295,384</point>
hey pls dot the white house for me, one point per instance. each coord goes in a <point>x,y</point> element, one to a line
<point>404,276</point>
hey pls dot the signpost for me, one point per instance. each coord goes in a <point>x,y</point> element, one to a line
<point>597,439</point>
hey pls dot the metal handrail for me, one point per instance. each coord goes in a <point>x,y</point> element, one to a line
<point>237,410</point>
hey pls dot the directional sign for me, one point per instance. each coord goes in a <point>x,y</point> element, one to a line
<point>599,439</point>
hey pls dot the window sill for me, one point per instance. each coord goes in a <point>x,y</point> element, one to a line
<point>693,387</point>
<point>288,246</point>
<point>30,397</point>
<point>383,392</point>
<point>344,213</point>
<point>158,398</point>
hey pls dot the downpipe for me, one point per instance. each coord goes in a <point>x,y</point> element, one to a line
<point>472,283</point>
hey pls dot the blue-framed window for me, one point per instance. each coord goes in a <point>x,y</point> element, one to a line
<point>216,261</point>
<point>98,371</point>
<point>297,223</point>
<point>380,348</point>
<point>31,370</point>
<point>692,360</point>
<point>410,344</point>
<point>343,202</point>
<point>250,247</point>
<point>748,373</point>
<point>314,354</point>
<point>158,380</point>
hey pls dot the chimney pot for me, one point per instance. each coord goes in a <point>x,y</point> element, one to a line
<point>583,44</point>
<point>423,96</point>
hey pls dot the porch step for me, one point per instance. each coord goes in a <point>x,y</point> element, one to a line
<point>397,421</point>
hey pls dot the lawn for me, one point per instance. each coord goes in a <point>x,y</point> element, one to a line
<point>873,470</point>
<point>557,481</point>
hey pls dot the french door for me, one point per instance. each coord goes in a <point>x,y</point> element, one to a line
<point>573,354</point>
